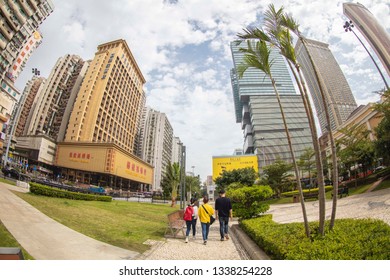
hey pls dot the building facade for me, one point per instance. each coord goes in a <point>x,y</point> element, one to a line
<point>375,34</point>
<point>157,143</point>
<point>51,103</point>
<point>338,96</point>
<point>259,114</point>
<point>99,143</point>
<point>19,37</point>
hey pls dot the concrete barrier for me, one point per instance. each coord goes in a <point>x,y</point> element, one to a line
<point>22,184</point>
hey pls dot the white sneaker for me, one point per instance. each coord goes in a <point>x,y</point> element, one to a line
<point>187,239</point>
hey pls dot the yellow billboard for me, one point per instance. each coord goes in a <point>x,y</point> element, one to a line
<point>229,163</point>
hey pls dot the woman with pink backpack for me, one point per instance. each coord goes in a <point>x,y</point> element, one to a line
<point>191,216</point>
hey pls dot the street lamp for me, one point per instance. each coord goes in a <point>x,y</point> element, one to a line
<point>348,27</point>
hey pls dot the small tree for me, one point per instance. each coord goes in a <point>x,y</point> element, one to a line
<point>249,202</point>
<point>246,176</point>
<point>171,180</point>
<point>276,175</point>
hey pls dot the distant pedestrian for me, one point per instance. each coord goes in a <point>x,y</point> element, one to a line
<point>223,211</point>
<point>191,217</point>
<point>204,212</point>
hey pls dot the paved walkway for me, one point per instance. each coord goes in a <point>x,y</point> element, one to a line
<point>46,239</point>
<point>374,205</point>
<point>177,249</point>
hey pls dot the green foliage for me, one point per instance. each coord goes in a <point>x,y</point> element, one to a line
<point>276,176</point>
<point>171,180</point>
<point>363,239</point>
<point>314,190</point>
<point>246,176</point>
<point>53,192</point>
<point>193,185</point>
<point>248,202</point>
<point>382,144</point>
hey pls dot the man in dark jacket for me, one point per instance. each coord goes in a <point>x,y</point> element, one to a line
<point>223,211</point>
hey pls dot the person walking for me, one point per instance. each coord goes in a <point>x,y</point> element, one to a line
<point>223,211</point>
<point>191,217</point>
<point>204,212</point>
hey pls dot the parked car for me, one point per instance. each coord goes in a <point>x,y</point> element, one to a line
<point>13,173</point>
<point>379,168</point>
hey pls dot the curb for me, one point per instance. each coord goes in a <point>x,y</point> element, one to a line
<point>252,249</point>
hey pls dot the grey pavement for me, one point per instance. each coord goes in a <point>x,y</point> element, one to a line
<point>46,239</point>
<point>374,205</point>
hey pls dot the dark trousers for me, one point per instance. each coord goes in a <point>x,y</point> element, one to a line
<point>191,224</point>
<point>223,226</point>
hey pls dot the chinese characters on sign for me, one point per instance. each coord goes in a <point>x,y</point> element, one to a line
<point>136,168</point>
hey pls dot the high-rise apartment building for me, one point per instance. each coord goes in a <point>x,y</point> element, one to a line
<point>49,111</point>
<point>99,143</point>
<point>19,36</point>
<point>258,112</point>
<point>338,96</point>
<point>157,143</point>
<point>33,87</point>
<point>375,34</point>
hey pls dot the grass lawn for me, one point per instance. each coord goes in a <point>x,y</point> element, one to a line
<point>384,185</point>
<point>7,240</point>
<point>10,182</point>
<point>124,224</point>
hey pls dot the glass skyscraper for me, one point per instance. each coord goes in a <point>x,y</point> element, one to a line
<point>258,111</point>
<point>338,95</point>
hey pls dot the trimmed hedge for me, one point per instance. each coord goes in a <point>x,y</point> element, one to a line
<point>351,239</point>
<point>314,190</point>
<point>39,189</point>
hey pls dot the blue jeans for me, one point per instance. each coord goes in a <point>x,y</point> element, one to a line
<point>189,225</point>
<point>205,230</point>
<point>223,226</point>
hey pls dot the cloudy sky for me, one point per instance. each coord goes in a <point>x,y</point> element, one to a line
<point>182,48</point>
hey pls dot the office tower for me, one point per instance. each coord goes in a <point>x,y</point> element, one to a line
<point>375,34</point>
<point>157,143</point>
<point>19,37</point>
<point>339,99</point>
<point>260,115</point>
<point>99,143</point>
<point>55,97</point>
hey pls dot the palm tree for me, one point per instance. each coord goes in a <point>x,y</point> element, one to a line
<point>277,25</point>
<point>259,57</point>
<point>172,179</point>
<point>292,25</point>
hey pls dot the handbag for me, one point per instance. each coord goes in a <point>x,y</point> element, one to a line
<point>212,219</point>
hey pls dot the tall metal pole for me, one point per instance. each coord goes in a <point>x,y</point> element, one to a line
<point>348,27</point>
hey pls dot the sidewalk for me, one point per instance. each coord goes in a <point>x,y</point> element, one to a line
<point>177,249</point>
<point>46,239</point>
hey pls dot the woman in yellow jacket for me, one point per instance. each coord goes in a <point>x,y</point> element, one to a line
<point>204,213</point>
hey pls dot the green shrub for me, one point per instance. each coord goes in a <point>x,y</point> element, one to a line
<point>360,239</point>
<point>315,190</point>
<point>382,173</point>
<point>248,202</point>
<point>53,192</point>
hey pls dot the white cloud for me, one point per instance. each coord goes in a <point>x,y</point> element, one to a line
<point>183,51</point>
